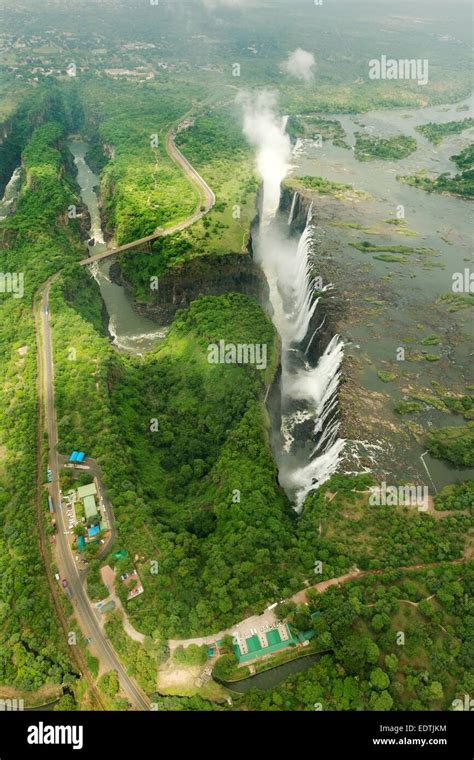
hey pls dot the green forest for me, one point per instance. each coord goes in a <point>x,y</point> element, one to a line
<point>400,641</point>
<point>317,127</point>
<point>141,187</point>
<point>456,444</point>
<point>461,184</point>
<point>35,241</point>
<point>216,148</point>
<point>192,486</point>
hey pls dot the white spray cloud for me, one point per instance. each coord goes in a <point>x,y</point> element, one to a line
<point>265,131</point>
<point>300,64</point>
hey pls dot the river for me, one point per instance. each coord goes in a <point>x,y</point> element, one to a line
<point>270,678</point>
<point>130,331</point>
<point>390,305</point>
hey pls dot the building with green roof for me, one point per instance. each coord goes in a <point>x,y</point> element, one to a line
<point>90,508</point>
<point>89,490</point>
<point>274,644</point>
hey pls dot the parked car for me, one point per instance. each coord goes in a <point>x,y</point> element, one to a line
<point>124,577</point>
<point>56,575</point>
<point>64,582</point>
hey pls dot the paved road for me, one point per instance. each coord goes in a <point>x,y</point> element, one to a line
<point>207,200</point>
<point>84,612</point>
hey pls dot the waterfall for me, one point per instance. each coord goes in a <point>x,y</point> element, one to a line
<point>316,472</point>
<point>10,194</point>
<point>292,209</point>
<point>314,334</point>
<point>305,303</point>
<point>315,387</point>
<point>308,393</point>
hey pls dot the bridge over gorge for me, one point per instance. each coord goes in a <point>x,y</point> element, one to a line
<point>206,201</point>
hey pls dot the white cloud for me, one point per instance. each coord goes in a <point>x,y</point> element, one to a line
<point>300,65</point>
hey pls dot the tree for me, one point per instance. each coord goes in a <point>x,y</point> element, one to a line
<point>224,666</point>
<point>66,703</point>
<point>285,609</point>
<point>109,683</point>
<point>382,701</point>
<point>191,655</point>
<point>90,551</point>
<point>379,621</point>
<point>391,662</point>
<point>379,679</point>
<point>301,620</point>
<point>435,691</point>
<point>227,643</point>
<point>372,652</point>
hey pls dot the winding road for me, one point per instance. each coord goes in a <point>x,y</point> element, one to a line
<point>206,201</point>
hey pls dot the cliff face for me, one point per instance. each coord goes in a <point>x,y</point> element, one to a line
<point>11,154</point>
<point>203,276</point>
<point>234,272</point>
<point>16,130</point>
<point>321,328</point>
<point>291,199</point>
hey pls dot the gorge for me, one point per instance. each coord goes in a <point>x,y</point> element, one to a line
<point>308,448</point>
